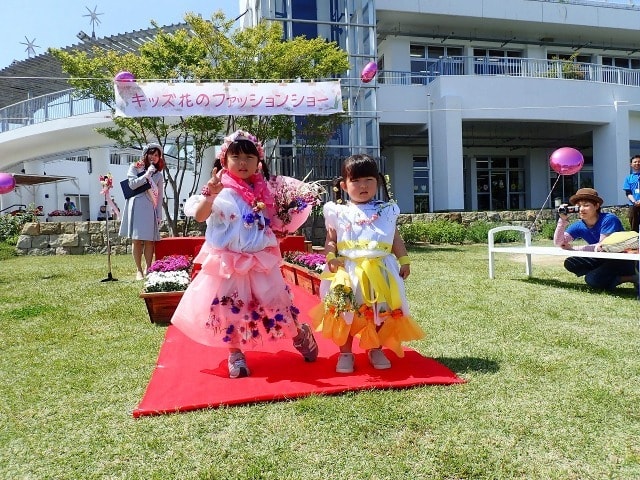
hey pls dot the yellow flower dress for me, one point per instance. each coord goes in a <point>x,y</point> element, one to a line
<point>367,298</point>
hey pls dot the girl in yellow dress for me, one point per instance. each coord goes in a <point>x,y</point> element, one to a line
<point>362,290</point>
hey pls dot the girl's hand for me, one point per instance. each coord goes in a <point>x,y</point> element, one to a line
<point>334,264</point>
<point>214,184</point>
<point>405,271</point>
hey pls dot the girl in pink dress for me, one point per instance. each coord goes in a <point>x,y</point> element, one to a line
<point>239,298</point>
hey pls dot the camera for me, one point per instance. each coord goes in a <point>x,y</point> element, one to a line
<point>568,209</point>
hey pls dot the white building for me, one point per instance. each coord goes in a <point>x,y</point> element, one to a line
<point>472,97</point>
<point>470,100</point>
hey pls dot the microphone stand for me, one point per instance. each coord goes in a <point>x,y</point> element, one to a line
<point>109,275</point>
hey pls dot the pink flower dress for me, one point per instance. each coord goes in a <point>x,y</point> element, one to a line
<point>239,298</point>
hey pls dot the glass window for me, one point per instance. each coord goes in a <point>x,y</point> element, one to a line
<point>421,184</point>
<point>500,183</point>
<point>435,52</point>
<point>417,51</point>
<point>567,185</point>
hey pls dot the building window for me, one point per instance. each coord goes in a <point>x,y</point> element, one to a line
<point>427,63</point>
<point>421,184</point>
<point>567,185</point>
<point>500,183</point>
<point>569,57</point>
<point>624,71</point>
<point>496,62</point>
<point>632,63</point>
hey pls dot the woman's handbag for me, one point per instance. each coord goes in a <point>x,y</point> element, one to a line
<point>129,192</point>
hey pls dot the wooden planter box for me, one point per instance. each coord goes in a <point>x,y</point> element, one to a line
<point>301,276</point>
<point>161,305</point>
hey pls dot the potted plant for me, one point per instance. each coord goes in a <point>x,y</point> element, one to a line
<point>166,281</point>
<point>304,269</point>
<point>64,216</point>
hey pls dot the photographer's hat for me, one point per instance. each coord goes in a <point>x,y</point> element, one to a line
<point>586,194</point>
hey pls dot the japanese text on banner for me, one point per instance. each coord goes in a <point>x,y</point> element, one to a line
<point>161,99</point>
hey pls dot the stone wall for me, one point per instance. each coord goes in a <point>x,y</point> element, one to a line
<point>78,238</point>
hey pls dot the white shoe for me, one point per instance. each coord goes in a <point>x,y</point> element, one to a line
<point>345,363</point>
<point>237,365</point>
<point>378,359</point>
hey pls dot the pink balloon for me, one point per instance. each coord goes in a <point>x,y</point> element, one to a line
<point>368,72</point>
<point>124,76</point>
<point>566,161</point>
<point>7,183</point>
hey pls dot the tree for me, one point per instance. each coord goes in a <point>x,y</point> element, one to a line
<point>207,50</point>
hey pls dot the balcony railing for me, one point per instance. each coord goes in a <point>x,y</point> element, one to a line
<point>52,106</point>
<point>513,67</point>
<point>65,104</point>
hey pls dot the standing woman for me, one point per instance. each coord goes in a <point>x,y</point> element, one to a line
<point>142,213</point>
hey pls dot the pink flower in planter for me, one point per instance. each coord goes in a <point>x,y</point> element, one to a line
<point>312,261</point>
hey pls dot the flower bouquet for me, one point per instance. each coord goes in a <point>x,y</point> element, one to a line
<point>341,300</point>
<point>294,200</point>
<point>164,285</point>
<point>107,183</point>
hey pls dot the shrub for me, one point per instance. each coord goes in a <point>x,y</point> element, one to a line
<point>11,225</point>
<point>443,231</point>
<point>413,233</point>
<point>6,251</point>
<point>478,232</point>
<point>508,236</point>
<point>547,231</point>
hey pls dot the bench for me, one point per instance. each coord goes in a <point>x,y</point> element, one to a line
<point>527,249</point>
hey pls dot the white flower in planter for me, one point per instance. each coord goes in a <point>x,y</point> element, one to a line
<point>167,281</point>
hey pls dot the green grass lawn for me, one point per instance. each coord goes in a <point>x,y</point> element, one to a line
<point>553,389</point>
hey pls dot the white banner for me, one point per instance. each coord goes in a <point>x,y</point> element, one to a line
<point>156,99</point>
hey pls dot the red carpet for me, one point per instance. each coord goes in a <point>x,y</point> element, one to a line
<point>191,376</point>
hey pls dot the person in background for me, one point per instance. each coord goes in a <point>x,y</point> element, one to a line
<point>142,213</point>
<point>102,214</point>
<point>631,187</point>
<point>69,206</point>
<point>239,298</point>
<point>592,227</point>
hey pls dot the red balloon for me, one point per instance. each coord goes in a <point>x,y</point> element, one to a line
<point>368,72</point>
<point>7,183</point>
<point>124,76</point>
<point>566,161</point>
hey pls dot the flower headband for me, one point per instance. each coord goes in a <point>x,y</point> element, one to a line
<point>240,135</point>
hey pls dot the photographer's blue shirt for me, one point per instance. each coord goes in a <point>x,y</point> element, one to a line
<point>607,224</point>
<point>632,185</point>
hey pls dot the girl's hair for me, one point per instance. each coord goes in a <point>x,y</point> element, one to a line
<point>145,157</point>
<point>358,166</point>
<point>248,148</point>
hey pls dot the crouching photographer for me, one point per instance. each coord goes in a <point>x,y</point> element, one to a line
<point>593,227</point>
